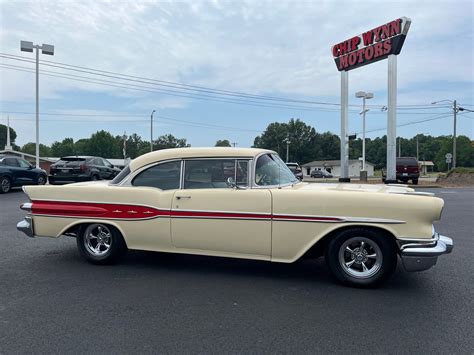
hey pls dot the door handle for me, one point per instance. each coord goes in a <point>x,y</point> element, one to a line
<point>182,197</point>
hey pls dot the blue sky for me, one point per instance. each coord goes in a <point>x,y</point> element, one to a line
<point>275,48</point>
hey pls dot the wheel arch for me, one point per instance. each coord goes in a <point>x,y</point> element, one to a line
<point>318,247</point>
<point>75,227</point>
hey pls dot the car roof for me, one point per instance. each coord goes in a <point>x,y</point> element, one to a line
<point>78,156</point>
<point>182,153</point>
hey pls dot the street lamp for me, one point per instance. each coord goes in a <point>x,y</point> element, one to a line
<point>288,142</point>
<point>364,96</point>
<point>455,111</point>
<point>151,131</point>
<point>48,49</point>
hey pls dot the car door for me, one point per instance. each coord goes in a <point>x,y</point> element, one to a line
<point>99,165</point>
<point>209,216</point>
<point>16,172</point>
<point>109,170</point>
<point>29,176</point>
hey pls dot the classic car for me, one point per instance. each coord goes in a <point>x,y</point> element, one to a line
<point>242,203</point>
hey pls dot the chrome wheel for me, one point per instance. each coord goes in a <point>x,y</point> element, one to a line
<point>5,185</point>
<point>97,239</point>
<point>360,257</point>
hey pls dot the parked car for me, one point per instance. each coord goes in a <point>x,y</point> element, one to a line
<point>183,201</point>
<point>320,174</point>
<point>81,168</point>
<point>296,170</point>
<point>407,169</point>
<point>15,171</point>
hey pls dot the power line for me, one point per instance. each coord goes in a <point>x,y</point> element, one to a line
<point>178,86</point>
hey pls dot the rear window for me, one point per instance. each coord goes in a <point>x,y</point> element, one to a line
<point>70,161</point>
<point>407,161</point>
<point>122,175</point>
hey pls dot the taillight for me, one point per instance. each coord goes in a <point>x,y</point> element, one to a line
<point>82,167</point>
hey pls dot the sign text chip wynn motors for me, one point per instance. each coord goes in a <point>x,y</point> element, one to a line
<point>377,44</point>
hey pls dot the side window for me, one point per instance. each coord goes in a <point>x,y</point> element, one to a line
<point>11,162</point>
<point>98,162</point>
<point>164,176</point>
<point>106,163</point>
<point>23,163</point>
<point>213,173</point>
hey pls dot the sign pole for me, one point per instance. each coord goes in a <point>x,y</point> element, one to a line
<point>344,127</point>
<point>392,120</point>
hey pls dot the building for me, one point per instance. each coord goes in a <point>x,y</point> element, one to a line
<point>334,167</point>
<point>425,167</point>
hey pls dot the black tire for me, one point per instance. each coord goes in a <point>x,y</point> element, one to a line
<point>369,267</point>
<point>94,177</point>
<point>5,185</point>
<point>414,181</point>
<point>101,255</point>
<point>42,179</point>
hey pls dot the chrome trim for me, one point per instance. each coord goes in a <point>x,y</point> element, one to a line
<point>26,206</point>
<point>26,226</point>
<point>412,193</point>
<point>422,254</point>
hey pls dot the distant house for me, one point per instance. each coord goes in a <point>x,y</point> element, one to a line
<point>425,166</point>
<point>334,167</point>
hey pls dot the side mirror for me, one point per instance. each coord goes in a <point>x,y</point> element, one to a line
<point>30,167</point>
<point>231,183</point>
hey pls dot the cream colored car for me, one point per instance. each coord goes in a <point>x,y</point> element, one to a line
<point>242,203</point>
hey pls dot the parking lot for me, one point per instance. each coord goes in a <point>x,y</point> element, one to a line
<point>53,301</point>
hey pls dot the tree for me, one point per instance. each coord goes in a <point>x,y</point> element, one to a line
<point>303,139</point>
<point>81,147</point>
<point>103,144</point>
<point>64,148</point>
<point>135,145</point>
<point>169,141</point>
<point>30,148</point>
<point>3,136</point>
<point>223,143</point>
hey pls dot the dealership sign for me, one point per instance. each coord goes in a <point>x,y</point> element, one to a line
<point>371,46</point>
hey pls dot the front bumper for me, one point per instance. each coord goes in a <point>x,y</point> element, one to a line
<point>26,226</point>
<point>419,255</point>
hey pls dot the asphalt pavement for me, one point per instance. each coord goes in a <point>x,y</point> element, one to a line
<point>52,301</point>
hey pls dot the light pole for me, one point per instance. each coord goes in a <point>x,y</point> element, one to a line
<point>288,142</point>
<point>151,130</point>
<point>417,146</point>
<point>364,96</point>
<point>48,49</point>
<point>455,111</point>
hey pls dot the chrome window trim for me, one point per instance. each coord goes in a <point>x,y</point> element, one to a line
<point>127,181</point>
<point>236,158</point>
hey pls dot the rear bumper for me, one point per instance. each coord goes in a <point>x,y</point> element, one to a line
<point>26,226</point>
<point>419,255</point>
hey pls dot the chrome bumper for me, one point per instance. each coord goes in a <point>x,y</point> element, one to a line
<point>419,255</point>
<point>26,226</point>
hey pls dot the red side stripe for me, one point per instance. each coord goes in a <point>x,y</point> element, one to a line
<point>122,211</point>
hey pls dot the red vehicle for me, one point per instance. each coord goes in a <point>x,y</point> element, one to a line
<point>407,169</point>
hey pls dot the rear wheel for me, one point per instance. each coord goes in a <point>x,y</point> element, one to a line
<point>94,177</point>
<point>414,181</point>
<point>101,244</point>
<point>5,185</point>
<point>361,257</point>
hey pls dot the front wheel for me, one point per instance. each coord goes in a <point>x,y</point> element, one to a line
<point>361,257</point>
<point>101,244</point>
<point>41,180</point>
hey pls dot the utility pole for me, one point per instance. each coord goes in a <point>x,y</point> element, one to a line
<point>399,147</point>
<point>234,144</point>
<point>124,150</point>
<point>455,111</point>
<point>417,149</point>
<point>48,49</point>
<point>151,130</point>
<point>287,141</point>
<point>364,96</point>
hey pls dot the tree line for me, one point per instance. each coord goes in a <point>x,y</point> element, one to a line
<point>306,145</point>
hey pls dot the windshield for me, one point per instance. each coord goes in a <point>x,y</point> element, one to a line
<point>271,170</point>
